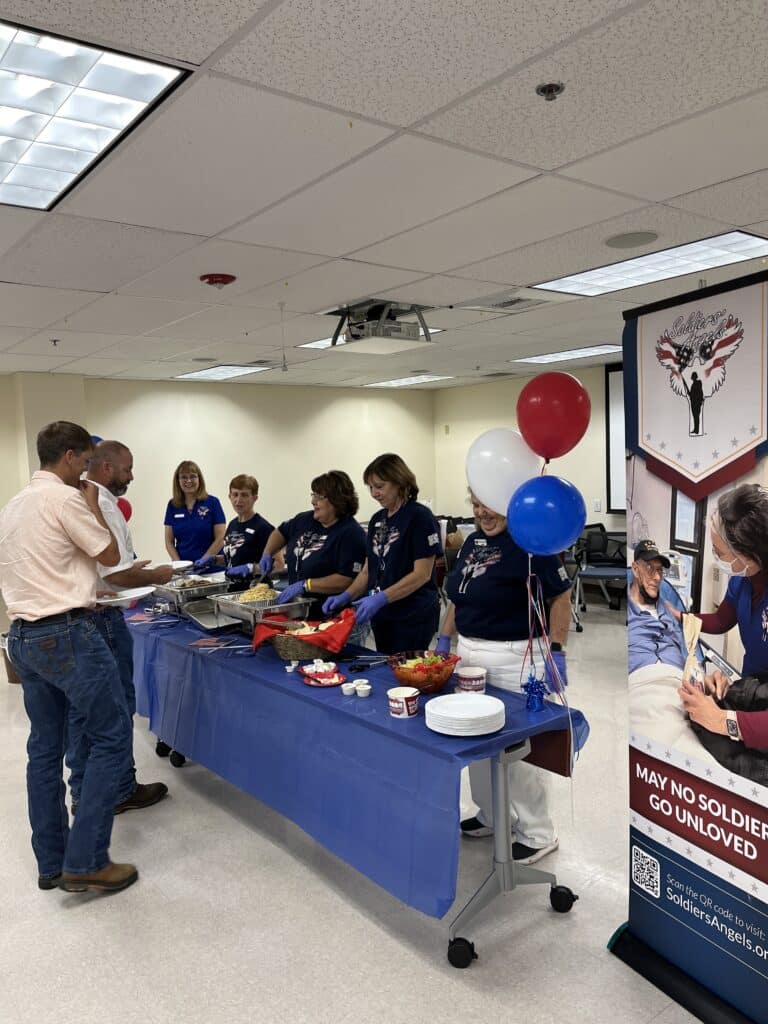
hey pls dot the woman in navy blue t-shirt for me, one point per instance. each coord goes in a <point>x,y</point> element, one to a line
<point>194,519</point>
<point>399,573</point>
<point>325,547</point>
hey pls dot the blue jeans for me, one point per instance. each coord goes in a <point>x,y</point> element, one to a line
<point>61,661</point>
<point>117,635</point>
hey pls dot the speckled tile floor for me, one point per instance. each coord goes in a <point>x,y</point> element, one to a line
<point>240,917</point>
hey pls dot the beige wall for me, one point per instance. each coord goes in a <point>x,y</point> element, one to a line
<point>284,436</point>
<point>461,414</point>
<point>9,447</point>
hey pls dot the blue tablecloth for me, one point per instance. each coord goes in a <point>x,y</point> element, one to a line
<point>381,793</point>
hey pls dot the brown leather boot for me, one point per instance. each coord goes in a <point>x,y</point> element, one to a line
<point>144,795</point>
<point>111,878</point>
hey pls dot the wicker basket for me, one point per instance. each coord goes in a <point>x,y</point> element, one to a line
<point>293,648</point>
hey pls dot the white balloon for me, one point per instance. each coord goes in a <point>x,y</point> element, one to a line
<point>497,463</point>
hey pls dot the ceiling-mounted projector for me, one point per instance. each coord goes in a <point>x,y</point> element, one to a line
<point>373,327</point>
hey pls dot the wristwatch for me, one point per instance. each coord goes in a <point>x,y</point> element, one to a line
<point>555,646</point>
<point>732,725</point>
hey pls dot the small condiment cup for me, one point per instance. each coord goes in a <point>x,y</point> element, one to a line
<point>403,701</point>
<point>348,689</point>
<point>363,688</point>
<point>471,679</point>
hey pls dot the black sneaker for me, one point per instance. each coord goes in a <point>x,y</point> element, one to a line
<point>473,828</point>
<point>522,854</point>
<point>46,882</point>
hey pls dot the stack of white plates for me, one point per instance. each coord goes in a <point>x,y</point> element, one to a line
<point>465,714</point>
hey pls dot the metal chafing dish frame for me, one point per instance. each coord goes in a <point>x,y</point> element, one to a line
<point>204,608</point>
<point>179,596</point>
<point>252,613</point>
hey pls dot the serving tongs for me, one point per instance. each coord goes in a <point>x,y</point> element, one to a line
<point>361,664</point>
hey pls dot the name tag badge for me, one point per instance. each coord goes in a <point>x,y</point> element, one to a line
<point>481,542</point>
<point>249,530</point>
<point>179,515</point>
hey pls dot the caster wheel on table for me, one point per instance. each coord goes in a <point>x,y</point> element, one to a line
<point>162,749</point>
<point>582,607</point>
<point>461,952</point>
<point>579,628</point>
<point>177,759</point>
<point>561,898</point>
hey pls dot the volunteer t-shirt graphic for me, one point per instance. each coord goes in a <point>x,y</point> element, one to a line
<point>764,622</point>
<point>478,561</point>
<point>383,539</point>
<point>308,544</point>
<point>202,511</point>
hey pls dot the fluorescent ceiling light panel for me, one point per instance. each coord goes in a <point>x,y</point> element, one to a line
<point>734,247</point>
<point>62,105</point>
<point>221,372</point>
<point>405,382</point>
<point>574,353</point>
<point>326,342</point>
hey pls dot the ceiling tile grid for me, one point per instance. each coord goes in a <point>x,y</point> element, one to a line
<point>216,323</point>
<point>95,255</point>
<point>739,201</point>
<point>585,248</point>
<point>24,305</point>
<point>256,148</point>
<point>536,209</point>
<point>398,62</point>
<point>187,30</point>
<point>15,223</point>
<point>407,181</point>
<point>126,314</point>
<point>622,79</point>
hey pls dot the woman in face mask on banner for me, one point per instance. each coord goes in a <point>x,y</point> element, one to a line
<point>739,536</point>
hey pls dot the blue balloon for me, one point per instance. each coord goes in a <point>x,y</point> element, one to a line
<point>96,439</point>
<point>546,515</point>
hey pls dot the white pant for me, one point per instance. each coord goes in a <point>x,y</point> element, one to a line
<point>528,806</point>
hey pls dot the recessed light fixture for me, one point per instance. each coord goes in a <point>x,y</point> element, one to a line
<point>326,342</point>
<point>221,372</point>
<point>62,105</point>
<point>733,247</point>
<point>406,382</point>
<point>574,353</point>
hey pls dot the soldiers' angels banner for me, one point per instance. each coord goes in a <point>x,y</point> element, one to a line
<point>701,388</point>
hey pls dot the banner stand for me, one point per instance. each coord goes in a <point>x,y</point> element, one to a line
<point>673,982</point>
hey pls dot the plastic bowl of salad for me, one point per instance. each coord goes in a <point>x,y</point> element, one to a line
<point>427,671</point>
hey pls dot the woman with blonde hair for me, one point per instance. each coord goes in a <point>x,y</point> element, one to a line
<point>194,519</point>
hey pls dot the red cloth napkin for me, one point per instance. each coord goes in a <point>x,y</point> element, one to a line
<point>332,639</point>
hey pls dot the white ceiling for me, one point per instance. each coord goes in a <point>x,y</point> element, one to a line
<point>327,152</point>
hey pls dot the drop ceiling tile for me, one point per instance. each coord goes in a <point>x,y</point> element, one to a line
<point>28,306</point>
<point>15,223</point>
<point>526,213</point>
<point>150,348</point>
<point>94,367</point>
<point>220,323</point>
<point>298,331</point>
<point>16,362</point>
<point>738,201</point>
<point>254,149</point>
<point>664,163</point>
<point>407,181</point>
<point>188,30</point>
<point>70,344</point>
<point>395,62</point>
<point>100,255</point>
<point>329,286</point>
<point>759,229</point>
<point>548,315</point>
<point>585,248</point>
<point>11,336</point>
<point>127,314</point>
<point>442,291</point>
<point>224,352</point>
<point>448,319</point>
<point>597,331</point>
<point>157,371</point>
<point>630,71</point>
<point>252,265</point>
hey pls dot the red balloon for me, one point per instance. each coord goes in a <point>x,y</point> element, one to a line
<point>553,413</point>
<point>125,507</point>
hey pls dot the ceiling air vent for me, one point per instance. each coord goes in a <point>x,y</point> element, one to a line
<point>510,302</point>
<point>496,374</point>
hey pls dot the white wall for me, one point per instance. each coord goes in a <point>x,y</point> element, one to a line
<point>284,436</point>
<point>461,414</point>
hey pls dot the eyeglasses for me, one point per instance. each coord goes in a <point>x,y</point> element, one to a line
<point>192,476</point>
<point>652,570</point>
<point>317,497</point>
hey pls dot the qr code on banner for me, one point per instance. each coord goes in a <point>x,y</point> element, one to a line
<point>646,872</point>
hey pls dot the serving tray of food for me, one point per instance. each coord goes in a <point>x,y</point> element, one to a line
<point>253,611</point>
<point>183,589</point>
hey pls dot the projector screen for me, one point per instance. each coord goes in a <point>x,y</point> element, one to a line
<point>615,461</point>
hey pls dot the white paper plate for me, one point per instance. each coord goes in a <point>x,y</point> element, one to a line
<point>183,564</point>
<point>465,714</point>
<point>126,597</point>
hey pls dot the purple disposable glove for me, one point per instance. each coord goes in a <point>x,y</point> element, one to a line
<point>559,659</point>
<point>203,563</point>
<point>336,603</point>
<point>370,606</point>
<point>443,645</point>
<point>292,592</point>
<point>265,564</point>
<point>238,572</point>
